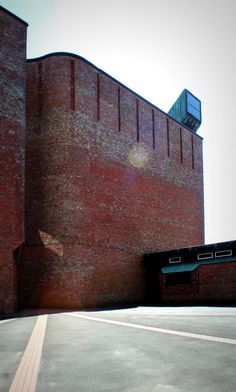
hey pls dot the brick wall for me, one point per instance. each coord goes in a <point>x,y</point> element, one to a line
<point>218,283</point>
<point>212,283</point>
<point>108,178</point>
<point>12,139</point>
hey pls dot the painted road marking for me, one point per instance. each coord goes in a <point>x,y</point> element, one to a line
<point>169,314</point>
<point>27,373</point>
<point>155,329</point>
<point>6,321</point>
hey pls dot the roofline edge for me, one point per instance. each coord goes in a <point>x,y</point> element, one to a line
<point>55,54</point>
<point>13,15</point>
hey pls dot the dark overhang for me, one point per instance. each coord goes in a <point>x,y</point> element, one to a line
<point>184,267</point>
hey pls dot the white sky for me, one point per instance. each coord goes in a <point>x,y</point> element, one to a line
<point>157,48</point>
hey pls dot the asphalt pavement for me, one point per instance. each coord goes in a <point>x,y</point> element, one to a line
<point>139,349</point>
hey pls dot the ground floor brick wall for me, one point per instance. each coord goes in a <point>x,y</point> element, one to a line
<point>96,258</point>
<point>78,276</point>
<point>214,283</point>
<point>217,282</point>
<point>8,287</point>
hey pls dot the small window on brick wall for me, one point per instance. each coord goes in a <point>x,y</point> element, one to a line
<point>223,253</point>
<point>203,256</point>
<point>178,278</point>
<point>176,259</point>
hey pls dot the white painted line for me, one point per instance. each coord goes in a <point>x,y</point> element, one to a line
<point>168,314</point>
<point>155,329</point>
<point>27,373</point>
<point>6,321</point>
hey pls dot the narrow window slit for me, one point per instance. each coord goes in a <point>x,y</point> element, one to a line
<point>40,88</point>
<point>181,144</point>
<point>137,112</point>
<point>72,85</point>
<point>168,136</point>
<point>193,163</point>
<point>119,114</point>
<point>98,97</point>
<point>153,131</point>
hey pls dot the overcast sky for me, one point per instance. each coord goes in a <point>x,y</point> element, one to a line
<point>158,48</point>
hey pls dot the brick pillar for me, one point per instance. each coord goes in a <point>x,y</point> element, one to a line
<point>12,154</point>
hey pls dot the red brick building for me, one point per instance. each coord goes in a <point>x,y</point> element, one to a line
<point>108,177</point>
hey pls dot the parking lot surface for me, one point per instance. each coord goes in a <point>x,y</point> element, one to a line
<point>139,349</point>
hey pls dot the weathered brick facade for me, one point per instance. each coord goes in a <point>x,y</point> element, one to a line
<point>12,150</point>
<point>108,177</point>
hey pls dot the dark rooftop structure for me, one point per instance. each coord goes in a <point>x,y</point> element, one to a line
<point>187,110</point>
